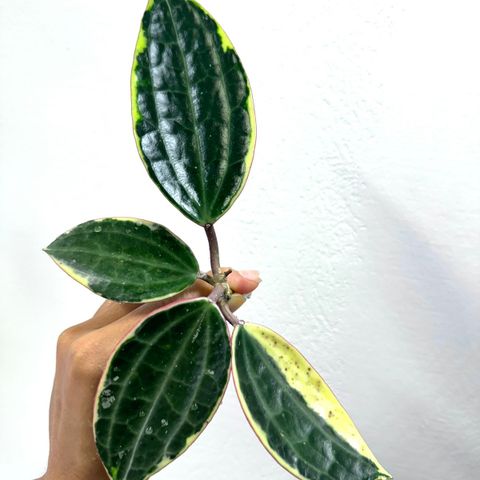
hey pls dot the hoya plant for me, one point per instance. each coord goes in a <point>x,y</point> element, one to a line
<point>194,126</point>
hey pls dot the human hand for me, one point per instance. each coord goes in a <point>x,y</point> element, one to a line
<point>82,355</point>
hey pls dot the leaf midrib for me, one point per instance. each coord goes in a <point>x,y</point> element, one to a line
<point>129,259</point>
<point>158,245</point>
<point>186,78</point>
<point>160,392</point>
<point>131,373</point>
<point>197,388</point>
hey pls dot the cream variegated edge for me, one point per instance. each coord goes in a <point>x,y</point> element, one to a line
<point>190,440</point>
<point>310,385</point>
<point>140,47</point>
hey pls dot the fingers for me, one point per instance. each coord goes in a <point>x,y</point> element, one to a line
<point>241,282</point>
<point>111,308</point>
<point>113,321</point>
<point>244,281</point>
<point>110,311</point>
<point>114,332</point>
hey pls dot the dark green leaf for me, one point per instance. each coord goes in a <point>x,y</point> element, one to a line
<point>125,259</point>
<point>161,388</point>
<point>192,109</point>
<point>294,413</point>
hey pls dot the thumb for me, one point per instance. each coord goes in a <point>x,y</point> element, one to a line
<point>244,281</point>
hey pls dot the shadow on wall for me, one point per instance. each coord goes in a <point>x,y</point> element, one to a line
<point>449,300</point>
<point>436,333</point>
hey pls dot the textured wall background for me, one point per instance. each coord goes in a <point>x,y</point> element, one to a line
<point>362,212</point>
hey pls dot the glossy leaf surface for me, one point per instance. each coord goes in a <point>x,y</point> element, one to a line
<point>161,388</point>
<point>294,413</point>
<point>192,109</point>
<point>124,259</point>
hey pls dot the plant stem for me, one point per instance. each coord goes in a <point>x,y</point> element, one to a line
<point>228,314</point>
<point>214,250</point>
<point>218,294</point>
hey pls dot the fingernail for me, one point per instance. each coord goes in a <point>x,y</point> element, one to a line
<point>253,275</point>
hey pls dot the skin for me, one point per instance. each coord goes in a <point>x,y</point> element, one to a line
<point>82,355</point>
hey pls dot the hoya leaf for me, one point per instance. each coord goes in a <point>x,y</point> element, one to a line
<point>162,386</point>
<point>125,259</point>
<point>193,113</point>
<point>294,413</point>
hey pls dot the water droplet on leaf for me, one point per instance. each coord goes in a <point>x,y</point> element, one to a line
<point>107,398</point>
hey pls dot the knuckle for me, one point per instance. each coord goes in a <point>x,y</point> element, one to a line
<point>65,339</point>
<point>83,359</point>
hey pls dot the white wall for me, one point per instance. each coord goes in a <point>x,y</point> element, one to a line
<point>362,212</point>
